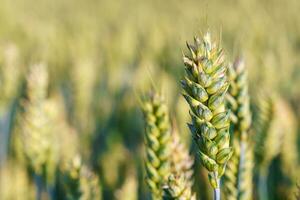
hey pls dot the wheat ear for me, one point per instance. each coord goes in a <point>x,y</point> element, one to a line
<point>38,139</point>
<point>238,176</point>
<point>79,182</point>
<point>180,183</point>
<point>158,143</point>
<point>205,85</point>
<point>269,135</point>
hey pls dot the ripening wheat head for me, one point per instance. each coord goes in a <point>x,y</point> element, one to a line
<point>180,182</point>
<point>37,136</point>
<point>205,85</point>
<point>158,143</point>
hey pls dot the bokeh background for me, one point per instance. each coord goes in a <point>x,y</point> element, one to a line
<point>103,55</point>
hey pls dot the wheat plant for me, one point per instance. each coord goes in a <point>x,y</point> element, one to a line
<point>205,85</point>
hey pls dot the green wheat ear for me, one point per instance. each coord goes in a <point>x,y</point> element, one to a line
<point>158,143</point>
<point>205,86</point>
<point>238,175</point>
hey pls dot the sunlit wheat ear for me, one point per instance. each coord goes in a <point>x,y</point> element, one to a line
<point>205,85</point>
<point>158,143</point>
<point>38,139</point>
<point>79,182</point>
<point>238,175</point>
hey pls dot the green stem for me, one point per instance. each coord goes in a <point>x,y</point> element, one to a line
<point>262,184</point>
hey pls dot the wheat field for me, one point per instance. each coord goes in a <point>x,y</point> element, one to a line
<point>148,99</point>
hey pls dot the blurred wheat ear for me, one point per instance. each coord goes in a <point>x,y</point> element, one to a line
<point>239,174</point>
<point>180,182</point>
<point>79,182</point>
<point>270,132</point>
<point>205,85</point>
<point>38,139</point>
<point>158,143</point>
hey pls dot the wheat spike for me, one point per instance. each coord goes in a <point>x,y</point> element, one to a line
<point>158,143</point>
<point>180,181</point>
<point>205,85</point>
<point>79,182</point>
<point>269,137</point>
<point>269,130</point>
<point>38,140</point>
<point>238,176</point>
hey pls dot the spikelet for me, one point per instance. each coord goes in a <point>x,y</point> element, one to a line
<point>178,188</point>
<point>180,182</point>
<point>238,176</point>
<point>205,85</point>
<point>38,140</point>
<point>158,143</point>
<point>79,182</point>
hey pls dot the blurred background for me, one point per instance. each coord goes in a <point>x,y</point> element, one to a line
<point>100,56</point>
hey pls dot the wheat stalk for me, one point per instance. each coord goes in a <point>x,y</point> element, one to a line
<point>205,85</point>
<point>158,143</point>
<point>238,176</point>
